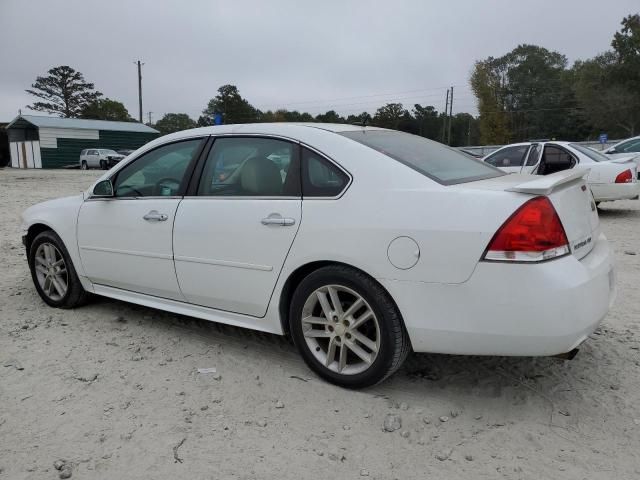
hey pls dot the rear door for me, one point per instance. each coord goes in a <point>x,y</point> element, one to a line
<point>234,230</point>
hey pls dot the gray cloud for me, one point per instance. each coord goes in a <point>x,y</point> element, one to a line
<point>346,55</point>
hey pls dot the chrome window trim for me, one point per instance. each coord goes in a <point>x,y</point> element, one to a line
<point>111,199</point>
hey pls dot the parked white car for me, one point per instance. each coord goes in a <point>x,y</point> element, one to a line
<point>361,243</point>
<point>629,148</point>
<point>102,158</point>
<point>608,179</point>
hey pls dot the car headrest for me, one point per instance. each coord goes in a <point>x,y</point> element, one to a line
<point>260,176</point>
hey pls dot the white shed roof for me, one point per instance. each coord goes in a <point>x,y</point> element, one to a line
<point>58,122</point>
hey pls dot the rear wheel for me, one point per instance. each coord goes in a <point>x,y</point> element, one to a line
<point>347,327</point>
<point>84,165</point>
<point>53,274</point>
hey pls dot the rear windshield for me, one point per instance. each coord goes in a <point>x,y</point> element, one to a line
<point>592,154</point>
<point>434,160</point>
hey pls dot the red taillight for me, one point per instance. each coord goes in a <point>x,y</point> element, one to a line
<point>625,177</point>
<point>532,234</point>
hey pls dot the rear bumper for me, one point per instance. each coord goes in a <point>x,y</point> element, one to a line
<point>615,191</point>
<point>515,310</point>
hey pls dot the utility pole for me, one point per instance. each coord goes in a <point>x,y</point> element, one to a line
<point>450,117</point>
<point>149,114</point>
<point>139,63</point>
<point>444,124</point>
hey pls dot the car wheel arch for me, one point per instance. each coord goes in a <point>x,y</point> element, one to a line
<point>297,275</point>
<point>35,230</point>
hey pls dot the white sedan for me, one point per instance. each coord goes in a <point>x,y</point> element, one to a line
<point>361,243</point>
<point>629,148</point>
<point>608,179</point>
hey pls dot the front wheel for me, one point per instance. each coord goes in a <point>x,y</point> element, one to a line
<point>347,327</point>
<point>53,274</point>
<point>103,164</point>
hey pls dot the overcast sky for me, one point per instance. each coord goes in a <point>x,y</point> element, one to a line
<point>309,55</point>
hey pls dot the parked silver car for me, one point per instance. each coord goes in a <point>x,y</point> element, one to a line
<point>102,158</point>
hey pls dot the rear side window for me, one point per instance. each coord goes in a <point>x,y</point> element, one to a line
<point>320,177</point>
<point>432,159</point>
<point>251,167</point>
<point>508,156</point>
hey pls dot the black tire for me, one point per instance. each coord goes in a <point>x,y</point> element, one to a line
<point>103,164</point>
<point>394,341</point>
<point>75,295</point>
<point>84,166</point>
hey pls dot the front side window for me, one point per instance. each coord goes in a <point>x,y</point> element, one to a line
<point>159,172</point>
<point>508,156</point>
<point>321,178</point>
<point>251,167</point>
<point>432,159</point>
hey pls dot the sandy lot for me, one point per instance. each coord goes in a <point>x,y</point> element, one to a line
<point>112,389</point>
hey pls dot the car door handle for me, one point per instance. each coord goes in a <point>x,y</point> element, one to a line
<point>277,219</point>
<point>154,216</point>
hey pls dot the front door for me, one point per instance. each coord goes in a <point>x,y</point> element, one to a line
<point>125,241</point>
<point>232,236</point>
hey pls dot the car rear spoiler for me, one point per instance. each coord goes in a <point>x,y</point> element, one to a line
<point>544,185</point>
<point>624,160</point>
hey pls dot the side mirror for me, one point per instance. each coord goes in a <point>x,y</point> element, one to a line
<point>103,189</point>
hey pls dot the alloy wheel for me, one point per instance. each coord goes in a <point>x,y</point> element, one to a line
<point>341,329</point>
<point>51,271</point>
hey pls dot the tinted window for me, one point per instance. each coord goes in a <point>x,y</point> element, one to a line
<point>251,167</point>
<point>159,172</point>
<point>508,156</point>
<point>555,159</point>
<point>320,177</point>
<point>442,164</point>
<point>630,146</point>
<point>592,154</point>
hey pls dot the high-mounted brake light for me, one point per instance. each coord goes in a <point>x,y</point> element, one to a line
<point>625,177</point>
<point>534,233</point>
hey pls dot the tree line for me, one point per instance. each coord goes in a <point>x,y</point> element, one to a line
<point>530,92</point>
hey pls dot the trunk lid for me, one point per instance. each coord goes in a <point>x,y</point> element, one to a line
<point>574,203</point>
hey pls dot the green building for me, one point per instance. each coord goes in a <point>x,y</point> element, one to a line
<point>52,142</point>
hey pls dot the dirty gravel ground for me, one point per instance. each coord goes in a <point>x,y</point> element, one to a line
<point>112,390</point>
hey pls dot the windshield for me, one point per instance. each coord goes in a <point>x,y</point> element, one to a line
<point>592,154</point>
<point>432,159</point>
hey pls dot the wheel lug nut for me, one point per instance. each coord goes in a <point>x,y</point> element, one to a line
<point>348,335</point>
